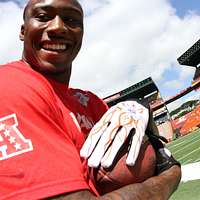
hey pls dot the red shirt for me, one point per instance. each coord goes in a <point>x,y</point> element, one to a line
<point>39,136</point>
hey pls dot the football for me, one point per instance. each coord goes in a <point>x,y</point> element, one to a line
<point>120,174</point>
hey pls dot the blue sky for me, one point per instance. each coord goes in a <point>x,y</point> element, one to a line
<point>122,46</point>
<point>182,6</point>
<point>185,6</point>
<point>18,2</point>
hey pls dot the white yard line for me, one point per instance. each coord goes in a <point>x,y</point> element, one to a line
<point>197,160</point>
<point>187,161</point>
<point>174,152</point>
<point>190,172</point>
<point>175,145</point>
<point>189,154</point>
<point>184,141</point>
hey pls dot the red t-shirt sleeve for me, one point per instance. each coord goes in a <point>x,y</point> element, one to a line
<point>38,159</point>
<point>98,105</point>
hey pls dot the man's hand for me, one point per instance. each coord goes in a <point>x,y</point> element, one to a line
<point>165,160</point>
<point>126,120</point>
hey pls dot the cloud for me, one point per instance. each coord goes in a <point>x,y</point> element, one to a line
<point>195,95</point>
<point>91,6</point>
<point>10,21</point>
<point>181,75</point>
<point>18,2</point>
<point>173,84</point>
<point>124,42</point>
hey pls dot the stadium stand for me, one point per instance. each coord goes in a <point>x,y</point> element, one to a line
<point>191,58</point>
<point>192,122</point>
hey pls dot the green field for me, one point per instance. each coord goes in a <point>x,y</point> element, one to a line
<point>187,150</point>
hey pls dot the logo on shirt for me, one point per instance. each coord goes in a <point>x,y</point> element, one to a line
<point>12,142</point>
<point>82,98</point>
<point>84,121</point>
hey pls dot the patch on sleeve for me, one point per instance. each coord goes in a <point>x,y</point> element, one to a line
<point>82,98</point>
<point>12,141</point>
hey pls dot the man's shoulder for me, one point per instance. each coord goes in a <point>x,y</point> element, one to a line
<point>10,70</point>
<point>11,63</point>
<point>18,74</point>
<point>15,67</point>
<point>85,95</point>
<point>81,93</point>
<point>82,96</point>
<point>91,101</point>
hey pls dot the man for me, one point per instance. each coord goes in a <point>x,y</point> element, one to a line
<point>40,138</point>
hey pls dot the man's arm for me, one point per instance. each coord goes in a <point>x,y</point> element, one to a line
<point>159,187</point>
<point>155,188</point>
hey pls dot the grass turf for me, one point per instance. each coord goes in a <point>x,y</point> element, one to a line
<point>187,150</point>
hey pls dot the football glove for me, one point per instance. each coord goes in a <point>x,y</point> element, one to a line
<point>126,119</point>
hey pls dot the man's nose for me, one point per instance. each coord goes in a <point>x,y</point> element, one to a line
<point>57,26</point>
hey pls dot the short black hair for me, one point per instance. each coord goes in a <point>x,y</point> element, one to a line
<point>29,3</point>
<point>24,12</point>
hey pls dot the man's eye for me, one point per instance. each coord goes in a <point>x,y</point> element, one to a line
<point>73,21</point>
<point>43,17</point>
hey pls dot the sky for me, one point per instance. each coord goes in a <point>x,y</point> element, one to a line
<point>124,42</point>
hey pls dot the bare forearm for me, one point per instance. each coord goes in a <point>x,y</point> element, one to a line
<point>156,188</point>
<point>162,187</point>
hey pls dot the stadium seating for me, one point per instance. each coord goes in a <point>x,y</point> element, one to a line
<point>192,123</point>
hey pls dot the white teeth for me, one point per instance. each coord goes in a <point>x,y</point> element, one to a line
<point>55,46</point>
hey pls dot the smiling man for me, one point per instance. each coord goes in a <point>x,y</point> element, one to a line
<point>44,123</point>
<point>52,35</point>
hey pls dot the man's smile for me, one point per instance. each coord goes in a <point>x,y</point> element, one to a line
<point>57,47</point>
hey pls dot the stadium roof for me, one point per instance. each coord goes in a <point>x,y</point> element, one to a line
<point>197,74</point>
<point>136,91</point>
<point>192,56</point>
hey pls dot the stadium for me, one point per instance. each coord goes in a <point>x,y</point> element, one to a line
<point>183,133</point>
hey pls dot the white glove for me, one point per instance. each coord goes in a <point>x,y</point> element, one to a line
<point>112,130</point>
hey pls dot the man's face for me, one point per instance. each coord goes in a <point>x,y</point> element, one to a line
<point>52,34</point>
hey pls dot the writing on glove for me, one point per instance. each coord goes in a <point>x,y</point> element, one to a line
<point>126,119</point>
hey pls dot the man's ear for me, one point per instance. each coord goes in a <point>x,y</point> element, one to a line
<point>21,35</point>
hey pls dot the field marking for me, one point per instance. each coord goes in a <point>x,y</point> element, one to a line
<point>174,152</point>
<point>185,140</point>
<point>197,160</point>
<point>187,161</point>
<point>189,154</point>
<point>177,144</point>
<point>190,172</point>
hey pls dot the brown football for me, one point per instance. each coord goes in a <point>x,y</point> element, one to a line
<point>109,179</point>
